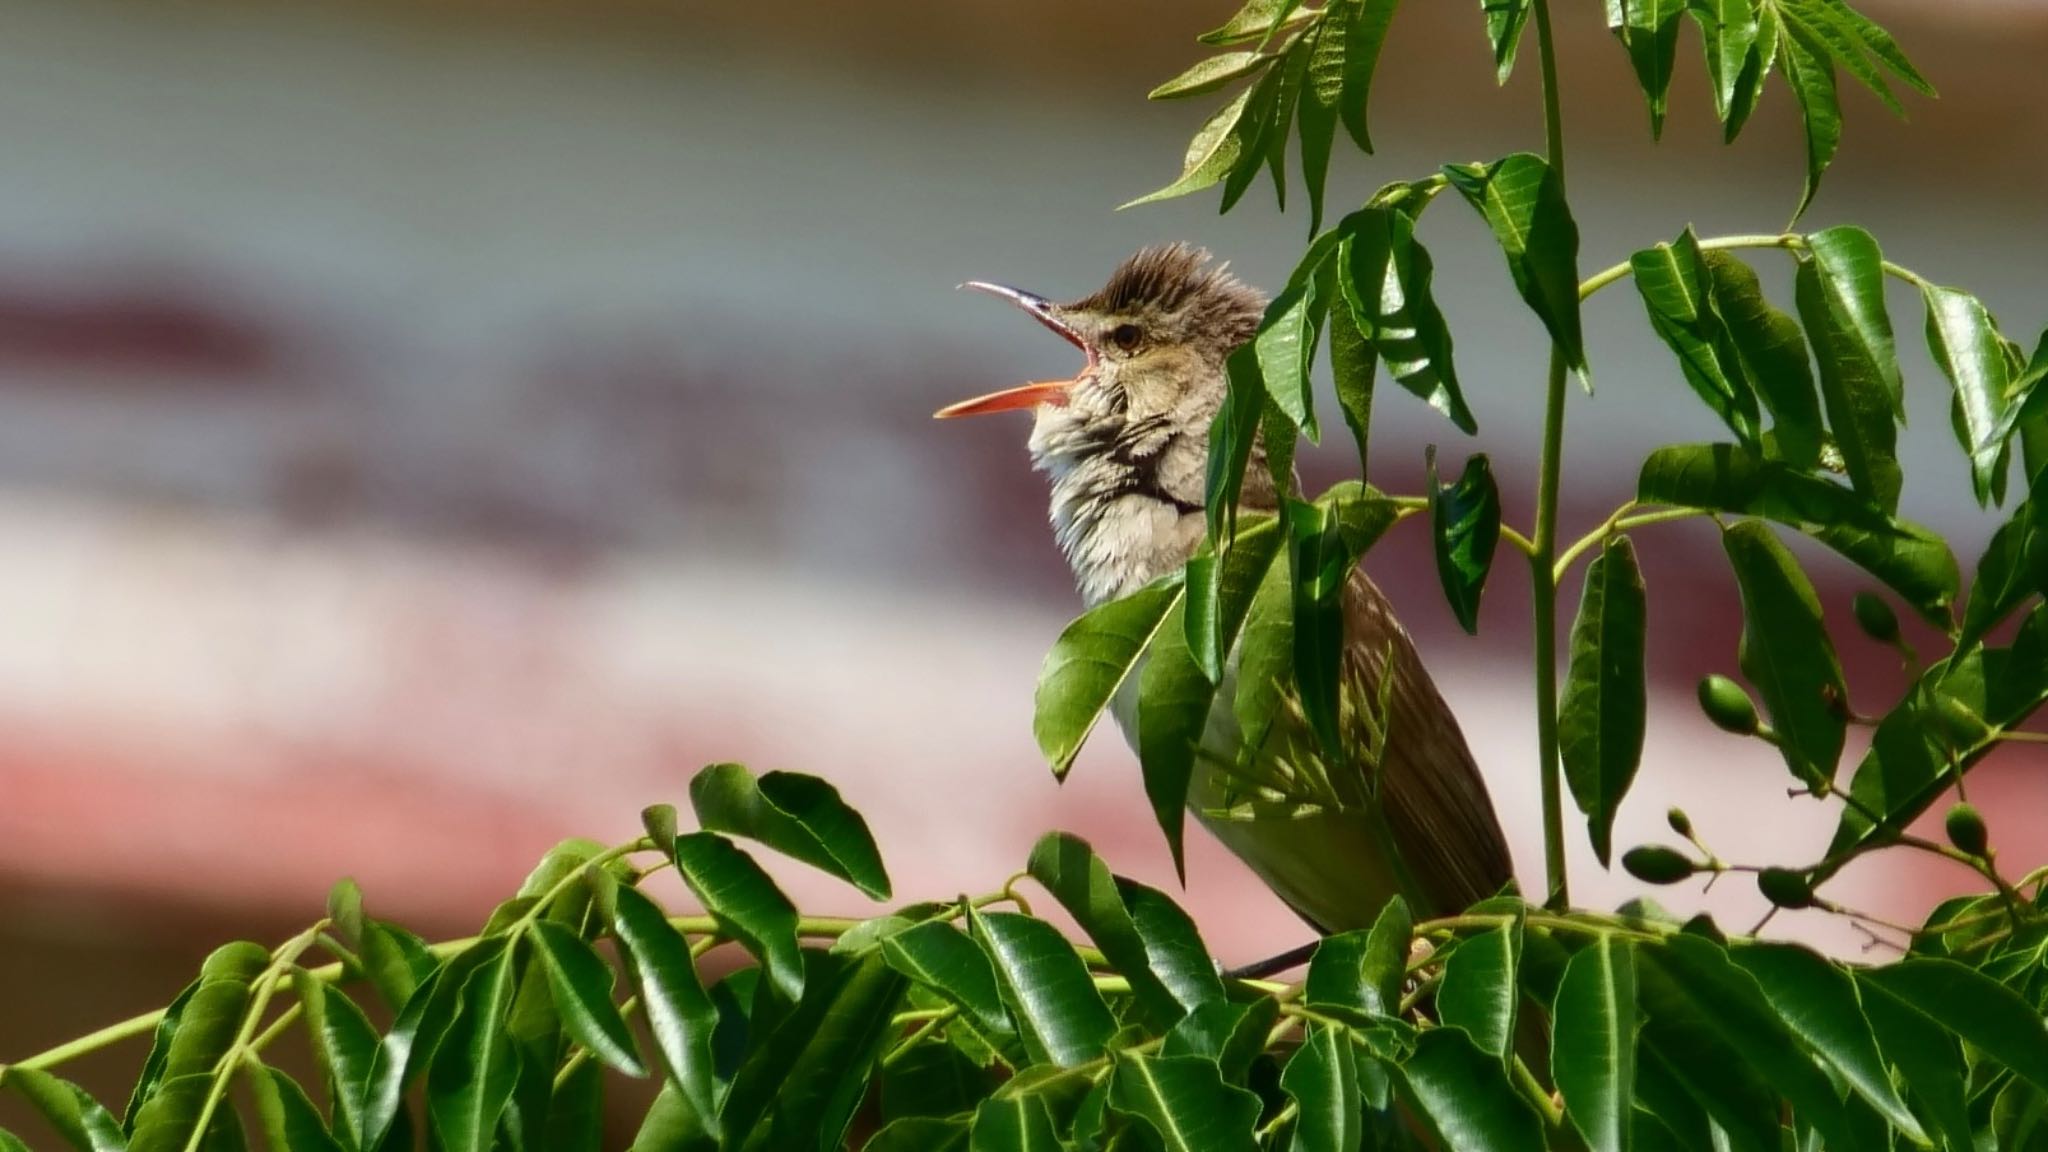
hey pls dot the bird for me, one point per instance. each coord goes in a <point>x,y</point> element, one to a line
<point>1125,445</point>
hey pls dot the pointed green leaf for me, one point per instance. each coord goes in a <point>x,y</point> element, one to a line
<point>1504,21</point>
<point>1465,518</point>
<point>1603,715</point>
<point>943,958</point>
<point>671,1126</point>
<point>1523,202</point>
<point>1173,946</point>
<point>1728,34</point>
<point>1771,351</point>
<point>1352,362</point>
<point>82,1121</point>
<point>1257,20</point>
<point>1210,74</point>
<point>1365,33</point>
<point>1722,477</point>
<point>344,1046</point>
<point>1316,111</point>
<point>797,815</point>
<point>1217,147</point>
<point>1649,30</point>
<point>290,1121</point>
<point>474,1066</point>
<point>1786,653</point>
<point>1287,338</point>
<point>2013,568</point>
<point>1220,590</point>
<point>1927,1060</point>
<point>1232,1033</point>
<point>1817,1000</point>
<point>1812,79</point>
<point>1859,406</point>
<point>1320,564</point>
<point>169,1121</point>
<point>1464,1095</point>
<point>1322,1077</point>
<point>1014,1124</point>
<point>1677,289</point>
<point>1593,1050</point>
<point>1481,990</point>
<point>396,960</point>
<point>1174,698</point>
<point>679,1012</point>
<point>803,1087</point>
<point>1385,277</point>
<point>1090,662</point>
<point>920,1134</point>
<point>582,987</point>
<point>1986,1014</point>
<point>159,1052</point>
<point>1185,1101</point>
<point>1084,886</point>
<point>575,1116</point>
<point>745,902</point>
<point>1851,276</point>
<point>1048,990</point>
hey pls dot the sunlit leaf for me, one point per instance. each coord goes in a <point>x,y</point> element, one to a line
<point>1384,275</point>
<point>1985,1014</point>
<point>82,1121</point>
<point>1818,1001</point>
<point>1812,79</point>
<point>1966,346</point>
<point>1088,664</point>
<point>582,987</point>
<point>1728,30</point>
<point>474,1066</point>
<point>1216,148</point>
<point>1185,1101</point>
<point>679,1012</point>
<point>1678,291</point>
<point>943,958</point>
<point>797,815</point>
<point>1322,1077</point>
<point>1523,202</point>
<point>1593,1050</point>
<point>1480,989</point>
<point>1210,74</point>
<point>1649,30</point>
<point>746,904</point>
<point>1061,1015</point>
<point>1504,21</point>
<point>1465,518</point>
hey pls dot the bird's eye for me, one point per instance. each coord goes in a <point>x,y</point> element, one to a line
<point>1126,336</point>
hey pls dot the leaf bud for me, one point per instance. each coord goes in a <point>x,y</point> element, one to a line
<point>1875,617</point>
<point>1680,822</point>
<point>1966,829</point>
<point>1727,705</point>
<point>1656,864</point>
<point>1785,887</point>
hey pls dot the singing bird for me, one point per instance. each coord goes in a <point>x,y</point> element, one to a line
<point>1125,444</point>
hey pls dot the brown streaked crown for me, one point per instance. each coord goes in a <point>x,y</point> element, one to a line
<point>1178,284</point>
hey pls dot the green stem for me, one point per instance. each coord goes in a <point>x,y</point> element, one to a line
<point>1788,241</point>
<point>1543,542</point>
<point>1617,523</point>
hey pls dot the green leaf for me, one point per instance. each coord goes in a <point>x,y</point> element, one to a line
<point>943,958</point>
<point>1062,1017</point>
<point>1817,1000</point>
<point>1786,653</point>
<point>1693,977</point>
<point>1353,362</point>
<point>344,1046</point>
<point>1965,343</point>
<point>1649,30</point>
<point>1257,127</point>
<point>1859,408</point>
<point>82,1121</point>
<point>1320,565</point>
<point>1928,1061</point>
<point>1677,289</point>
<point>1464,1095</point>
<point>1322,1077</point>
<point>1221,586</point>
<point>1602,717</point>
<point>745,903</point>
<point>1850,269</point>
<point>659,822</point>
<point>920,1134</point>
<point>575,1120</point>
<point>1812,79</point>
<point>169,1121</point>
<point>804,1085</point>
<point>1257,20</point>
<point>1231,1033</point>
<point>1174,698</point>
<point>1287,337</point>
<point>1728,30</point>
<point>1173,946</point>
<point>2013,568</point>
<point>1014,1124</point>
<point>1480,988</point>
<point>1465,522</point>
<point>679,1012</point>
<point>159,1052</point>
<point>1091,661</point>
<point>672,1126</point>
<point>1185,1101</point>
<point>1723,478</point>
<point>1984,1013</point>
<point>1504,21</point>
<point>1770,349</point>
<point>474,1066</point>
<point>1593,1052</point>
<point>932,1079</point>
<point>207,1025</point>
<point>1316,113</point>
<point>582,987</point>
<point>797,815</point>
<point>290,1121</point>
<point>9,1142</point>
<point>1216,148</point>
<point>1385,275</point>
<point>1523,202</point>
<point>1756,69</point>
<point>396,960</point>
<point>1211,74</point>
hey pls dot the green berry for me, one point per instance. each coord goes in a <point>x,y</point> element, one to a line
<point>1785,887</point>
<point>1966,829</point>
<point>1875,617</point>
<point>1656,864</point>
<point>1727,705</point>
<point>1680,822</point>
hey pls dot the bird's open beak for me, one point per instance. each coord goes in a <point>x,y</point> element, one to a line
<point>1038,392</point>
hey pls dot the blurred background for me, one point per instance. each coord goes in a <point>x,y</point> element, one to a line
<point>431,430</point>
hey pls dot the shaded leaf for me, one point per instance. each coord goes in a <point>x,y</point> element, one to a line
<point>943,958</point>
<point>1504,21</point>
<point>344,1046</point>
<point>1965,343</point>
<point>1785,651</point>
<point>1858,406</point>
<point>1091,660</point>
<point>1984,1013</point>
<point>1322,1077</point>
<point>582,986</point>
<point>1481,988</point>
<point>1464,1095</point>
<point>1812,79</point>
<point>1465,518</point>
<point>804,1084</point>
<point>1818,1001</point>
<point>679,1012</point>
<point>1384,275</point>
<point>1014,1124</point>
<point>1602,718</point>
<point>920,1134</point>
<point>1185,1101</point>
<point>290,1121</point>
<point>1771,351</point>
<point>2014,566</point>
